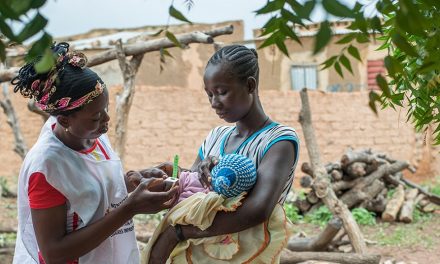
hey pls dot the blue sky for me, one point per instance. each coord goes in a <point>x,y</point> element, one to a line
<point>68,17</point>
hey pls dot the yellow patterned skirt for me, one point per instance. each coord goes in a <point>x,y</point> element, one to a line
<point>260,244</point>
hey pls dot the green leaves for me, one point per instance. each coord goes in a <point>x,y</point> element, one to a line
<point>373,98</point>
<point>173,39</point>
<point>177,14</point>
<point>402,44</point>
<point>383,85</point>
<point>271,6</point>
<point>354,52</point>
<point>32,27</point>
<point>322,37</point>
<point>21,6</point>
<point>346,63</point>
<point>277,39</point>
<point>12,11</point>
<point>337,9</point>
<point>40,45</point>
<point>6,30</point>
<point>46,63</point>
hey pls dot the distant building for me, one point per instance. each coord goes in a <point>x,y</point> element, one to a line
<point>279,72</point>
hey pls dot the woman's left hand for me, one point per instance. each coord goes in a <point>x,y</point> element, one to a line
<point>163,246</point>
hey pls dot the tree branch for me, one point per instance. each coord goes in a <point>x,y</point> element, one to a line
<point>157,44</point>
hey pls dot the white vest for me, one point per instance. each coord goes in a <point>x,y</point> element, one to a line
<point>93,188</point>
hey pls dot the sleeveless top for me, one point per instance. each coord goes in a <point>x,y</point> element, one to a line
<point>254,147</point>
<point>92,188</point>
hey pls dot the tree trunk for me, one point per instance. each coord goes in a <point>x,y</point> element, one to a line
<point>125,99</point>
<point>394,205</point>
<point>5,103</point>
<point>322,179</point>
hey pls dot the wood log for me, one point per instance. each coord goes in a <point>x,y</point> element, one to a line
<point>419,198</point>
<point>368,193</point>
<point>343,185</point>
<point>360,183</point>
<point>302,205</point>
<point>289,257</point>
<point>355,169</point>
<point>332,166</point>
<point>306,168</point>
<point>432,197</point>
<point>406,212</point>
<point>322,183</point>
<point>336,175</point>
<point>423,202</point>
<point>394,205</point>
<point>429,208</point>
<point>355,156</point>
<point>371,167</point>
<point>391,180</point>
<point>376,205</point>
<point>319,242</point>
<point>312,198</point>
<point>315,206</point>
<point>306,181</point>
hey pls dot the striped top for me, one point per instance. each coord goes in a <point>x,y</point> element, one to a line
<point>254,147</point>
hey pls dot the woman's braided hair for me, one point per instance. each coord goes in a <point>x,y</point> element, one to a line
<point>242,61</point>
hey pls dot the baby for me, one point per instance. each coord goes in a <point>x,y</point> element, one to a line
<point>233,175</point>
<point>232,178</point>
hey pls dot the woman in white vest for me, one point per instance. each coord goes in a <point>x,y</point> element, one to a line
<point>231,84</point>
<point>74,204</point>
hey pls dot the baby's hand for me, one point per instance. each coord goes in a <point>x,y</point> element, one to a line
<point>204,170</point>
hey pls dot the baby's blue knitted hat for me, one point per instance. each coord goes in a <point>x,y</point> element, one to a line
<point>233,175</point>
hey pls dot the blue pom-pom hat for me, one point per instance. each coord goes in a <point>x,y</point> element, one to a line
<point>233,175</point>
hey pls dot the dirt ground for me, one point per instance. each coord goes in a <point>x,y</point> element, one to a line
<point>418,242</point>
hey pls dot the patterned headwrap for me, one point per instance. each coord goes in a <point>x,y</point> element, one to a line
<point>69,85</point>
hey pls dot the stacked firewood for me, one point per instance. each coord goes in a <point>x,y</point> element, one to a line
<point>363,178</point>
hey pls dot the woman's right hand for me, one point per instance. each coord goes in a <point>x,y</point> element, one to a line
<point>145,200</point>
<point>204,169</point>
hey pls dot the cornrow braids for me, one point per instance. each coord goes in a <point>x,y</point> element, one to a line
<point>242,61</point>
